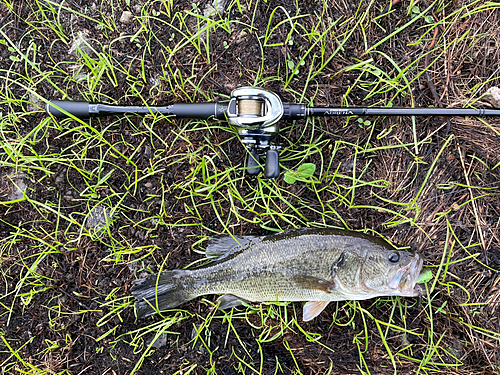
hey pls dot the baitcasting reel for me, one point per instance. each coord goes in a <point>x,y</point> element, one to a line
<point>255,113</point>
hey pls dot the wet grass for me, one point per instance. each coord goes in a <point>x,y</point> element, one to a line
<point>107,201</point>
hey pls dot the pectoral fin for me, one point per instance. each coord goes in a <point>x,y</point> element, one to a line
<point>312,309</point>
<point>311,282</point>
<point>228,301</point>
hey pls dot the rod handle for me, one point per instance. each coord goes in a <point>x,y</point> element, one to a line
<point>76,108</point>
<point>198,110</point>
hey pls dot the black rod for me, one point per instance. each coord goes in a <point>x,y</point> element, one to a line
<point>85,110</point>
<point>389,111</point>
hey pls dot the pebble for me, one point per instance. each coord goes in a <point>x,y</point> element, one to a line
<point>126,17</point>
<point>97,219</point>
<point>241,36</point>
<point>59,179</point>
<point>34,103</point>
<point>159,342</point>
<point>132,266</point>
<point>218,5</point>
<point>492,96</point>
<point>81,45</point>
<point>18,186</point>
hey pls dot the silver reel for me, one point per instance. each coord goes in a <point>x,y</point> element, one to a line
<point>256,112</point>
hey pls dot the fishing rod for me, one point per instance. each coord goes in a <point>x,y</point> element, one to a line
<point>255,113</point>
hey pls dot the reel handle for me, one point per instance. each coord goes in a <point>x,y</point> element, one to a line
<point>272,167</point>
<point>253,163</point>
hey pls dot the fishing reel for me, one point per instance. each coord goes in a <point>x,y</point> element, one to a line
<point>255,113</point>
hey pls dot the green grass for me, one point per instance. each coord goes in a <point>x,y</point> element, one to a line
<point>165,186</point>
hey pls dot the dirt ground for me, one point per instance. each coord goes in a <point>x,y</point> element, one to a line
<point>103,208</point>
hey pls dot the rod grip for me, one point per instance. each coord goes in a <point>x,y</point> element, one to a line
<point>76,108</point>
<point>197,110</point>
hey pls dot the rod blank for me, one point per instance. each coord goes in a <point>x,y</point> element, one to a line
<point>389,111</point>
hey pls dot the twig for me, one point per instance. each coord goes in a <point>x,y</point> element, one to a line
<point>474,207</point>
<point>74,299</point>
<point>389,7</point>
<point>478,340</point>
<point>428,76</point>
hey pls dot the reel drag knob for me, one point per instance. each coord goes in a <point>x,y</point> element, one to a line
<point>272,167</point>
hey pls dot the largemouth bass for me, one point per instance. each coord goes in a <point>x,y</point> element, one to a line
<point>313,265</point>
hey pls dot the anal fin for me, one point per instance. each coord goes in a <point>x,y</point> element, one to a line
<point>228,301</point>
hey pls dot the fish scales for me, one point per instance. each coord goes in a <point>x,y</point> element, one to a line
<point>315,265</point>
<point>273,265</point>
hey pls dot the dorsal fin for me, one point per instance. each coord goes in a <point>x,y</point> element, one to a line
<point>221,247</point>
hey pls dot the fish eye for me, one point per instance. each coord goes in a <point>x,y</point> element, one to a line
<point>394,258</point>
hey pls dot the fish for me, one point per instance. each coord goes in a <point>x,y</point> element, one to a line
<point>317,266</point>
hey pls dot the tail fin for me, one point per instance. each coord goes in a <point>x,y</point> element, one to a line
<point>160,292</point>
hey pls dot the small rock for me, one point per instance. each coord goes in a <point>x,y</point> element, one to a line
<point>241,36</point>
<point>63,299</point>
<point>457,348</point>
<point>126,17</point>
<point>154,82</point>
<point>132,266</point>
<point>194,333</point>
<point>34,103</point>
<point>81,45</point>
<point>159,342</point>
<point>16,186</point>
<point>492,96</point>
<point>98,219</point>
<point>147,151</point>
<point>217,6</point>
<point>59,180</point>
<point>348,165</point>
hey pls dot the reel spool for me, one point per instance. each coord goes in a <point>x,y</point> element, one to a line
<point>256,112</point>
<point>250,108</point>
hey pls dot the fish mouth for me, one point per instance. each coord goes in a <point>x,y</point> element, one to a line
<point>405,280</point>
